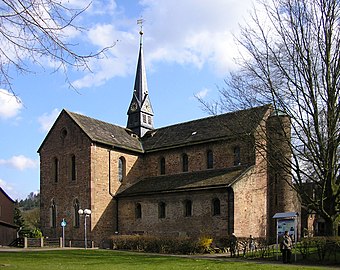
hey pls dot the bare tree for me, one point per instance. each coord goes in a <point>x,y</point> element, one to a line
<point>33,30</point>
<point>292,60</point>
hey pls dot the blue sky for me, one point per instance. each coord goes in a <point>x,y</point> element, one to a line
<point>188,49</point>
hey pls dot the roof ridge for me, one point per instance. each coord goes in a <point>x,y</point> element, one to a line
<point>88,117</point>
<point>209,117</point>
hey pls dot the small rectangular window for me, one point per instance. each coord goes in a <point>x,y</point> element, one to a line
<point>210,159</point>
<point>138,211</point>
<point>55,170</point>
<point>188,208</point>
<point>161,210</point>
<point>73,168</point>
<point>162,165</point>
<point>216,207</point>
<point>237,156</point>
<point>185,163</point>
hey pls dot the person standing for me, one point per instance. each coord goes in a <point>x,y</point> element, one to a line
<point>286,248</point>
<point>251,243</point>
<point>233,245</point>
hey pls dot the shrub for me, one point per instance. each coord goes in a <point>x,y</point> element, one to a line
<point>153,244</point>
<point>35,233</point>
<point>325,248</point>
<point>204,244</point>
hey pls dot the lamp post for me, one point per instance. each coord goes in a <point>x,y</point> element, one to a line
<point>86,213</point>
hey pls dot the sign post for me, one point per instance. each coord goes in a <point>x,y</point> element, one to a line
<point>286,221</point>
<point>63,225</point>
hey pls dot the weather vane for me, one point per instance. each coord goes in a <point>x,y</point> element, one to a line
<point>140,22</point>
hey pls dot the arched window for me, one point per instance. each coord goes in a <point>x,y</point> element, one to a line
<point>216,205</point>
<point>63,133</point>
<point>53,220</point>
<point>73,168</point>
<point>210,159</point>
<point>76,208</point>
<point>237,156</point>
<point>121,169</point>
<point>187,208</point>
<point>162,165</point>
<point>55,170</point>
<point>161,210</point>
<point>185,163</point>
<point>138,210</point>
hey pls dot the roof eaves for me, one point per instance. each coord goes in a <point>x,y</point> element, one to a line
<point>172,191</point>
<point>8,224</point>
<point>49,132</point>
<point>119,146</point>
<point>4,192</point>
<point>241,175</point>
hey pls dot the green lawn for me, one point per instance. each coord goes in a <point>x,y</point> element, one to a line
<point>108,259</point>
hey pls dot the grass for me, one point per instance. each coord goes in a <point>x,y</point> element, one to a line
<point>108,259</point>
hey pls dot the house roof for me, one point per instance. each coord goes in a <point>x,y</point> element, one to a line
<point>213,128</point>
<point>223,126</point>
<point>198,180</point>
<point>107,133</point>
<point>6,195</point>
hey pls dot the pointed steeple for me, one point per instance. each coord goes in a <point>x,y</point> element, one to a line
<point>140,113</point>
<point>141,87</point>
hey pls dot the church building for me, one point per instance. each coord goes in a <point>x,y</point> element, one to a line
<point>211,176</point>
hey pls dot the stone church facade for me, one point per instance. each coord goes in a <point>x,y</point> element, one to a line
<point>210,176</point>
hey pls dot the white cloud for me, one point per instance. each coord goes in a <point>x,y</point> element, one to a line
<point>5,186</point>
<point>47,120</point>
<point>203,93</point>
<point>10,105</point>
<point>20,162</point>
<point>119,61</point>
<point>200,35</point>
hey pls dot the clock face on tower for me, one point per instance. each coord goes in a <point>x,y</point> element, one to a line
<point>133,106</point>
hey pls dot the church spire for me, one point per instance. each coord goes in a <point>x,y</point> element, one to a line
<point>141,87</point>
<point>140,113</point>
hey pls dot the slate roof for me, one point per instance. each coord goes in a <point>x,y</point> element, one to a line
<point>203,130</point>
<point>197,180</point>
<point>224,126</point>
<point>107,133</point>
